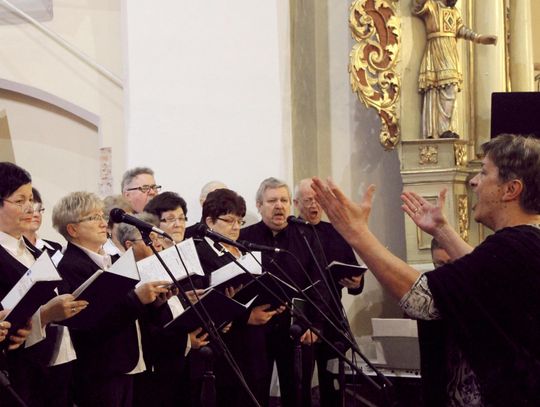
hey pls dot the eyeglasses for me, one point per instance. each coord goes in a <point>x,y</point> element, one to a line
<point>231,222</point>
<point>308,201</point>
<point>38,208</point>
<point>94,218</point>
<point>21,203</point>
<point>146,188</point>
<point>172,219</point>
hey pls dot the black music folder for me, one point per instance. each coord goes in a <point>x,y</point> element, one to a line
<point>103,290</point>
<point>232,275</point>
<point>283,290</point>
<point>35,288</point>
<point>339,270</point>
<point>212,304</point>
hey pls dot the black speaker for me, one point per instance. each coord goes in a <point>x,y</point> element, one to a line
<point>515,113</point>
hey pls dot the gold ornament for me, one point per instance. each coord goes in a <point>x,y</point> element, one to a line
<point>372,62</point>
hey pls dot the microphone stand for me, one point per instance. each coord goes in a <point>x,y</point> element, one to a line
<point>302,317</point>
<point>340,314</point>
<point>386,388</point>
<point>206,323</point>
<point>6,384</point>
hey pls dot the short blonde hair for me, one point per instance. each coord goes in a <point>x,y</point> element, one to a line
<point>73,207</point>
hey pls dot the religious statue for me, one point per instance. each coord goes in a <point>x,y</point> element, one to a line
<point>440,78</point>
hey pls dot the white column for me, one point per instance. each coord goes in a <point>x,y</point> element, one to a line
<point>489,63</point>
<point>521,52</point>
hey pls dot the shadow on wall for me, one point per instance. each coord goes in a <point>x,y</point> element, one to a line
<point>59,148</point>
<point>371,164</point>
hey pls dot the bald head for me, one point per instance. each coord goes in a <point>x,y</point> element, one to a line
<point>304,201</point>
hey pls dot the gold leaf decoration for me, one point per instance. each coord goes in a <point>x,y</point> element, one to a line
<point>463,217</point>
<point>372,62</point>
<point>460,154</point>
<point>428,155</point>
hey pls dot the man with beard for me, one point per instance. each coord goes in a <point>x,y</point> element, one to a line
<point>273,201</point>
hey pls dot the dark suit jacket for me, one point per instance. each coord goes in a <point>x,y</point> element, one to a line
<point>111,347</point>
<point>246,342</point>
<point>27,366</point>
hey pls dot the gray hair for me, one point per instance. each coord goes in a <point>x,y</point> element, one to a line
<point>115,201</point>
<point>270,183</point>
<point>299,186</point>
<point>73,207</point>
<point>210,187</point>
<point>518,157</point>
<point>126,232</point>
<point>129,175</point>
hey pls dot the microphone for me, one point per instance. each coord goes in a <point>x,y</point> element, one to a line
<point>299,221</point>
<point>120,216</point>
<point>203,230</point>
<point>259,247</point>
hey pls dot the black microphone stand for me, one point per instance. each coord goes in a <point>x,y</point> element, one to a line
<point>205,322</point>
<point>6,384</point>
<point>302,318</point>
<point>386,387</point>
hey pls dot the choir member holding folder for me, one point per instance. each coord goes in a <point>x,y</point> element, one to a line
<point>164,383</point>
<point>223,212</point>
<point>109,349</point>
<point>40,370</point>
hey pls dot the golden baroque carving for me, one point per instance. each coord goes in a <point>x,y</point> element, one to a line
<point>460,154</point>
<point>463,217</point>
<point>372,62</point>
<point>428,155</point>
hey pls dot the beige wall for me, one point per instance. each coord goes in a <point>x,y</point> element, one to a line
<point>535,18</point>
<point>47,141</point>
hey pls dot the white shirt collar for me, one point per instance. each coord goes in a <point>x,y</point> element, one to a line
<point>17,248</point>
<point>216,247</point>
<point>102,260</point>
<point>41,244</point>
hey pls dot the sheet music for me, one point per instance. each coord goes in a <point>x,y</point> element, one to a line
<point>126,266</point>
<point>42,270</point>
<point>150,269</point>
<point>232,270</point>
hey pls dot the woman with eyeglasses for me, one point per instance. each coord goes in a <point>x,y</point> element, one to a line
<point>223,212</point>
<point>40,370</point>
<point>32,232</point>
<point>171,209</point>
<point>109,353</point>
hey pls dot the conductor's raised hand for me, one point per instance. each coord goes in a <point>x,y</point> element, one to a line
<point>423,213</point>
<point>345,215</point>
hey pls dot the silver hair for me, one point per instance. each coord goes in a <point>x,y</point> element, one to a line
<point>209,187</point>
<point>125,232</point>
<point>129,175</point>
<point>299,186</point>
<point>73,207</point>
<point>270,183</point>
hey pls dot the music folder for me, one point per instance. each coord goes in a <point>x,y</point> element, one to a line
<point>339,270</point>
<point>35,288</point>
<point>150,268</point>
<point>220,308</point>
<point>232,275</point>
<point>283,290</point>
<point>103,290</point>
